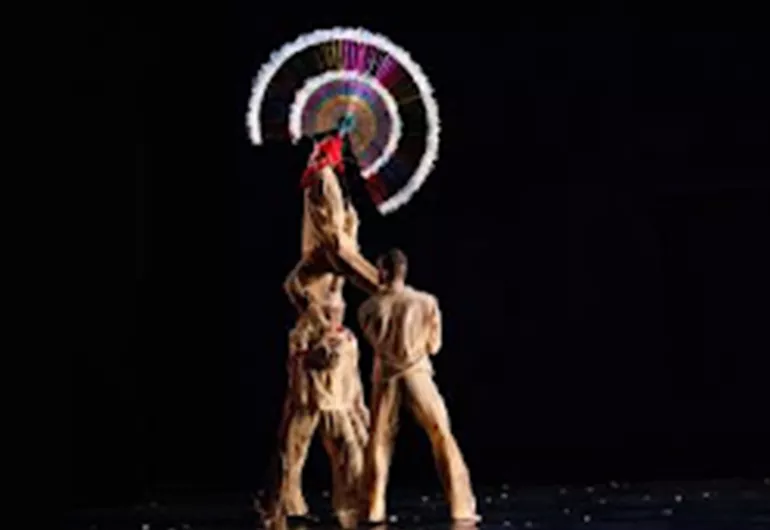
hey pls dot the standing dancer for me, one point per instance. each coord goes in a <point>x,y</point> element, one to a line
<point>403,326</point>
<point>324,391</point>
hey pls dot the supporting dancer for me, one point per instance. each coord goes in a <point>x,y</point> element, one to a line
<point>403,326</point>
<point>329,227</point>
<point>324,390</point>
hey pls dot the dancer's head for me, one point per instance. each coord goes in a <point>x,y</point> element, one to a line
<point>392,267</point>
<point>346,124</point>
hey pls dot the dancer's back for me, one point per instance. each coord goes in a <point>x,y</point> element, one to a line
<point>404,327</point>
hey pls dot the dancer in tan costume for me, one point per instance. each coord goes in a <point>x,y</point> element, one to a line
<point>324,388</point>
<point>329,229</point>
<point>403,326</point>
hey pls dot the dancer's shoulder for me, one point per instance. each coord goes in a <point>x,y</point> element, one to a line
<point>370,304</point>
<point>420,296</point>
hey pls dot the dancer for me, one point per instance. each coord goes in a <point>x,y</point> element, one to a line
<point>403,326</point>
<point>329,228</point>
<point>324,388</point>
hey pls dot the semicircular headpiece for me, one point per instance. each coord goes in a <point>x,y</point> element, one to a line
<point>364,85</point>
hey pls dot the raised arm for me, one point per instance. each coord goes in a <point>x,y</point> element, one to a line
<point>328,208</point>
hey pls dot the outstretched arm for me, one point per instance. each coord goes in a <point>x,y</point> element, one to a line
<point>327,208</point>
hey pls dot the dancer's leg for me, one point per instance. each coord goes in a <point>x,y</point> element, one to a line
<point>428,407</point>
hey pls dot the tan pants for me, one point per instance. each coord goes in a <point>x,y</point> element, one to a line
<point>344,435</point>
<point>316,265</point>
<point>419,391</point>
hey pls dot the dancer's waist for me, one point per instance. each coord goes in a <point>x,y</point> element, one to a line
<point>388,367</point>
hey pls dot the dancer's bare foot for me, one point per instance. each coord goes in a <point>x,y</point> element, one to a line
<point>469,519</point>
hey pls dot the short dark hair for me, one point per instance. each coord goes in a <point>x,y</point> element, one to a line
<point>394,262</point>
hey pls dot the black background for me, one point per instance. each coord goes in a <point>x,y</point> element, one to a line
<point>596,230</point>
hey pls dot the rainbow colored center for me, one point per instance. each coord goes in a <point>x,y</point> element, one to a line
<point>333,100</point>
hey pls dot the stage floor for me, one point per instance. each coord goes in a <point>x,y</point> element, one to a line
<point>723,505</point>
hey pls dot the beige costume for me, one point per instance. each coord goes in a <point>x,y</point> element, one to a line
<point>324,388</point>
<point>404,327</point>
<point>329,243</point>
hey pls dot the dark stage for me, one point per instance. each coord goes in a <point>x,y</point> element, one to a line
<point>707,505</point>
<point>595,229</point>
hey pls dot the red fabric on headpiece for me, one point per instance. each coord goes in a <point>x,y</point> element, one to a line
<point>327,152</point>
